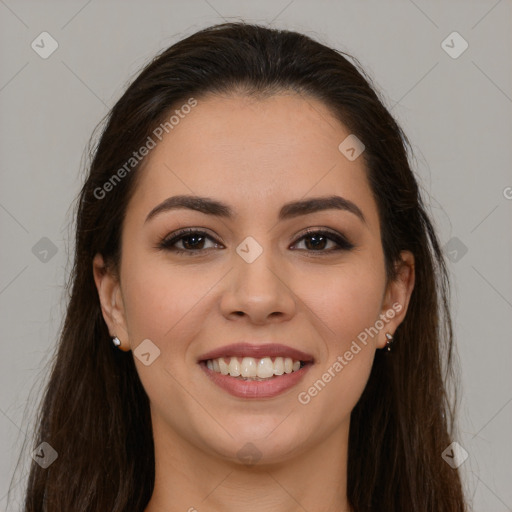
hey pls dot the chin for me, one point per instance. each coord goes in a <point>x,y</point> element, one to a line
<point>259,440</point>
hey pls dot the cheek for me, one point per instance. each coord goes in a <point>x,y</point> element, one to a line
<point>344,301</point>
<point>160,299</point>
<point>361,303</point>
<point>349,306</point>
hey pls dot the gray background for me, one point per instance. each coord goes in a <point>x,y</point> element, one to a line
<point>456,111</point>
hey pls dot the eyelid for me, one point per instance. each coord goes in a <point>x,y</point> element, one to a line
<point>341,240</point>
<point>318,229</point>
<point>167,241</point>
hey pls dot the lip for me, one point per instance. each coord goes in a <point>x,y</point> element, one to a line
<point>256,389</point>
<point>243,349</point>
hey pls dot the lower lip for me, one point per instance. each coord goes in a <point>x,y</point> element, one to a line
<point>256,388</point>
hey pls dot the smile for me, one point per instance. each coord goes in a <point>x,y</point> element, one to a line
<point>251,368</point>
<point>255,371</point>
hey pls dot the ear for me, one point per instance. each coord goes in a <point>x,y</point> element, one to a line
<point>397,296</point>
<point>111,299</point>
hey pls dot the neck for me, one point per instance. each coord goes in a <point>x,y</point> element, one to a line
<point>188,479</point>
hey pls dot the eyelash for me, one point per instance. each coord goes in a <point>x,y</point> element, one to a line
<point>167,243</point>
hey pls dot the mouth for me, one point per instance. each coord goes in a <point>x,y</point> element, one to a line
<point>256,371</point>
<point>249,368</point>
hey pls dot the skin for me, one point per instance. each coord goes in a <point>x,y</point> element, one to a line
<point>255,155</point>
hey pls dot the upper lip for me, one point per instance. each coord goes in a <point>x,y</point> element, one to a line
<point>244,349</point>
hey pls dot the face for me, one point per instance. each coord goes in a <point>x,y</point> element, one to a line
<point>305,283</point>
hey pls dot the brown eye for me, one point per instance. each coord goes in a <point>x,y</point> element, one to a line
<point>191,241</point>
<point>316,241</point>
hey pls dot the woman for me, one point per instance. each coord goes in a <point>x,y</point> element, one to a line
<point>258,314</point>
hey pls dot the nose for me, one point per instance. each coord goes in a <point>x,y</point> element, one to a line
<point>260,291</point>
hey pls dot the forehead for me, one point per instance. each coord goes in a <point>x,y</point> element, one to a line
<point>254,153</point>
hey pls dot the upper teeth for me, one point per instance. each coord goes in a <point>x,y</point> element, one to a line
<point>251,367</point>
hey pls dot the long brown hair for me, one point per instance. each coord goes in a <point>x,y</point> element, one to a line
<point>95,412</point>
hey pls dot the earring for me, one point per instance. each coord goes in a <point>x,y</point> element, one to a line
<point>116,341</point>
<point>389,343</point>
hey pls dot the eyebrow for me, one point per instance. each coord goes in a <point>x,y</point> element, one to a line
<point>290,210</point>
